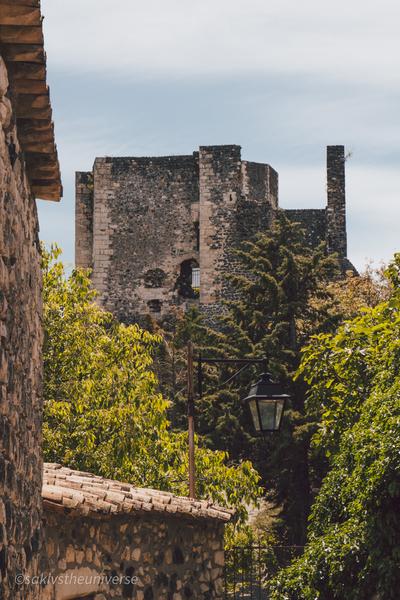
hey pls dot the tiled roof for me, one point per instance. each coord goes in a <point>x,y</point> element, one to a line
<point>79,493</point>
<point>22,49</point>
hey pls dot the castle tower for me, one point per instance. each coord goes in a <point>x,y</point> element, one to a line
<point>160,233</point>
<point>237,200</point>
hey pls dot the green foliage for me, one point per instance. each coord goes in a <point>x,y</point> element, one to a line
<point>354,550</point>
<point>356,291</point>
<point>103,410</point>
<point>280,285</point>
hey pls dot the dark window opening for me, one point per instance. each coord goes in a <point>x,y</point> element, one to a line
<point>188,282</point>
<point>154,305</point>
<point>197,235</point>
<point>154,278</point>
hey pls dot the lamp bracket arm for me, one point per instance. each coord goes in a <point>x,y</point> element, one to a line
<point>245,362</point>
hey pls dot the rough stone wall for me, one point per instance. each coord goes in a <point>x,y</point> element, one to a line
<point>173,558</point>
<point>260,183</point>
<point>313,221</point>
<point>84,220</point>
<point>336,208</point>
<point>237,200</point>
<point>220,192</point>
<point>153,219</point>
<point>145,210</point>
<point>20,364</point>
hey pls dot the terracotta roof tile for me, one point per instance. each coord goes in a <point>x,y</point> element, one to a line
<point>87,494</point>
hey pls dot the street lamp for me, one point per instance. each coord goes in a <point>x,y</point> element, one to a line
<point>266,402</point>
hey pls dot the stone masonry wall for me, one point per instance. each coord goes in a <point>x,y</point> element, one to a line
<point>145,211</point>
<point>154,219</point>
<point>150,557</point>
<point>336,208</point>
<point>84,220</point>
<point>237,200</point>
<point>20,364</point>
<point>313,221</point>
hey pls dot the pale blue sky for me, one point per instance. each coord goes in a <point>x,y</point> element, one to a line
<point>282,78</point>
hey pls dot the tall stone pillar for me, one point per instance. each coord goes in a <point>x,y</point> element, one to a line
<point>336,207</point>
<point>237,201</point>
<point>84,220</point>
<point>220,193</point>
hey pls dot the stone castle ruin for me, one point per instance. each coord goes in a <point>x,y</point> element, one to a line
<point>159,233</point>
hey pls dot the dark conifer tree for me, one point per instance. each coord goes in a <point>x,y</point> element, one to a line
<point>279,286</point>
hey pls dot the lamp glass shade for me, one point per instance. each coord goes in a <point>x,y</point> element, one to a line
<point>268,412</point>
<point>255,415</point>
<point>266,402</point>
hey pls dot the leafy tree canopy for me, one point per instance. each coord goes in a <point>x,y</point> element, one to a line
<point>279,286</point>
<point>353,292</point>
<point>103,411</point>
<point>354,550</point>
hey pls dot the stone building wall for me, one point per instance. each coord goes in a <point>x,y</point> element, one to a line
<point>84,220</point>
<point>20,363</point>
<point>143,224</point>
<point>144,557</point>
<point>145,212</point>
<point>237,200</point>
<point>313,221</point>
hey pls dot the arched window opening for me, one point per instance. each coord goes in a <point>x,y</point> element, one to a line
<point>188,282</point>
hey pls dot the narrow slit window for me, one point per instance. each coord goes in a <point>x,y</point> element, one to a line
<point>197,235</point>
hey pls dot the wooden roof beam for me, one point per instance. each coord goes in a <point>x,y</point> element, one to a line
<point>21,70</point>
<point>53,192</point>
<point>20,15</point>
<point>7,3</point>
<point>23,53</point>
<point>21,47</point>
<point>29,86</point>
<point>14,34</point>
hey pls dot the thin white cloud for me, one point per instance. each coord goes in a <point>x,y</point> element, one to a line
<point>355,40</point>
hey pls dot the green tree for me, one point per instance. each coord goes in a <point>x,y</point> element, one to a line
<point>353,550</point>
<point>356,291</point>
<point>276,277</point>
<point>103,412</point>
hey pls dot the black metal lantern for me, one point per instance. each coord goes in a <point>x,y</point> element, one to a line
<point>266,402</point>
